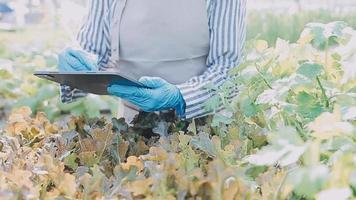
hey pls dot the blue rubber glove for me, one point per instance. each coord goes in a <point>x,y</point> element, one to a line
<point>72,60</point>
<point>160,95</point>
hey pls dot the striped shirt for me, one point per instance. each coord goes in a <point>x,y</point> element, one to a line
<point>227,28</point>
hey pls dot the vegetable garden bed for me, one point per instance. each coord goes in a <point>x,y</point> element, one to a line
<point>291,136</point>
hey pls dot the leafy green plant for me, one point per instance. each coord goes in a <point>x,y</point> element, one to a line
<point>269,25</point>
<point>297,92</point>
<point>289,134</point>
<point>18,87</point>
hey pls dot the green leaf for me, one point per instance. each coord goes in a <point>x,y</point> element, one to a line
<point>285,148</point>
<point>88,158</point>
<point>249,108</point>
<point>92,106</point>
<point>220,119</point>
<point>52,111</point>
<point>119,125</point>
<point>338,143</point>
<point>338,27</point>
<point>308,106</point>
<point>190,159</point>
<point>254,171</point>
<point>285,133</point>
<point>4,74</point>
<point>213,103</point>
<point>46,92</point>
<point>325,35</point>
<point>29,102</point>
<point>336,56</point>
<point>309,181</point>
<point>95,183</point>
<point>319,38</point>
<point>78,111</point>
<point>203,142</point>
<point>310,70</point>
<point>70,161</point>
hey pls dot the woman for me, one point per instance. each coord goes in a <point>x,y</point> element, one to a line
<point>176,47</point>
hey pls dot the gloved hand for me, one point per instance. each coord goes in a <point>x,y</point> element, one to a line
<point>160,95</point>
<point>72,60</point>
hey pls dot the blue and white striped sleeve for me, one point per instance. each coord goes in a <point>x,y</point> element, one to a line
<point>92,38</point>
<point>227,25</point>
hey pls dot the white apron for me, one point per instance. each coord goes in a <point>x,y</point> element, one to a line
<point>159,38</point>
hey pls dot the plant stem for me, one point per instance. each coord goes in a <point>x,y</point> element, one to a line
<point>105,145</point>
<point>263,78</point>
<point>280,187</point>
<point>326,55</point>
<point>326,99</point>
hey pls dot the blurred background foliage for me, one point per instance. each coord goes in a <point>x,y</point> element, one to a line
<point>272,19</point>
<point>270,25</point>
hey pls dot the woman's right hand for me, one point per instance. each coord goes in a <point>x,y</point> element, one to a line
<point>73,60</point>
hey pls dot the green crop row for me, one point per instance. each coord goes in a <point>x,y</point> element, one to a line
<point>269,25</point>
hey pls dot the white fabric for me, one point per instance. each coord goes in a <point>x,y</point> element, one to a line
<point>160,38</point>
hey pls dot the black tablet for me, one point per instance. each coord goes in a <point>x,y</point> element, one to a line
<point>90,82</point>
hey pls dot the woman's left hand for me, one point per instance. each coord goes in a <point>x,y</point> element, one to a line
<point>160,95</point>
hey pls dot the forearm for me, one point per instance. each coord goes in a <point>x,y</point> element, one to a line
<point>92,41</point>
<point>228,33</point>
<point>196,91</point>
